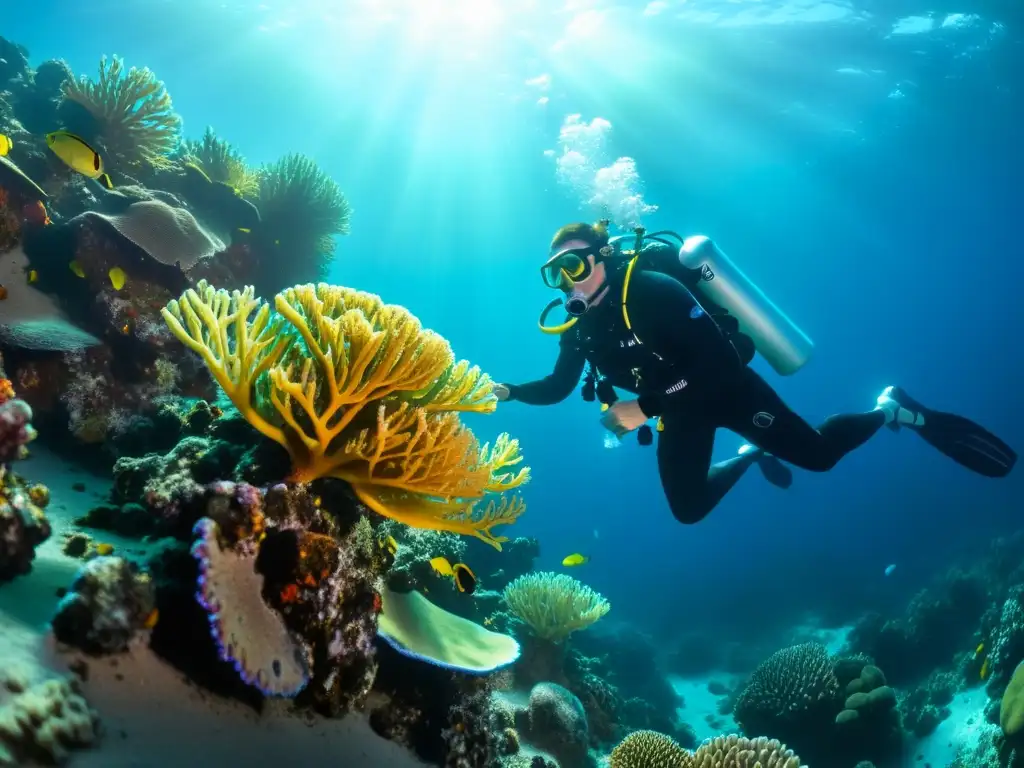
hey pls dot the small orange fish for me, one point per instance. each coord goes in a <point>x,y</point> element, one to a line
<point>3,293</point>
<point>290,594</point>
<point>152,619</point>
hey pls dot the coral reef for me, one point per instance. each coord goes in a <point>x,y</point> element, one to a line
<point>554,605</point>
<point>649,749</point>
<point>739,752</point>
<point>927,705</point>
<point>355,389</point>
<point>555,722</point>
<point>109,603</point>
<point>23,524</point>
<point>829,709</point>
<point>222,163</point>
<point>248,632</point>
<point>15,428</point>
<point>302,211</point>
<point>43,720</point>
<point>133,123</point>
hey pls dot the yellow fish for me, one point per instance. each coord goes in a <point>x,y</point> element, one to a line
<point>979,649</point>
<point>33,276</point>
<point>117,278</point>
<point>984,669</point>
<point>244,230</point>
<point>78,156</point>
<point>465,579</point>
<point>152,619</point>
<point>488,621</point>
<point>389,544</point>
<point>104,549</point>
<point>575,559</point>
<point>441,566</point>
<point>75,267</point>
<point>5,145</point>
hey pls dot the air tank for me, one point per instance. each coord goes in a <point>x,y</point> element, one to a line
<point>776,337</point>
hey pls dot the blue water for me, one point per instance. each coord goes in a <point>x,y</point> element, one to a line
<point>860,162</point>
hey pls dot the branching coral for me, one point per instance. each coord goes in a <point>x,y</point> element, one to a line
<point>739,752</point>
<point>789,686</point>
<point>136,122</point>
<point>356,389</point>
<point>221,162</point>
<point>554,605</point>
<point>649,749</point>
<point>302,210</point>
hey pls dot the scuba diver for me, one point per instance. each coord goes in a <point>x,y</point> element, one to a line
<point>677,324</point>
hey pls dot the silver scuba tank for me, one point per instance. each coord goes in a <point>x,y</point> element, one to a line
<point>775,336</point>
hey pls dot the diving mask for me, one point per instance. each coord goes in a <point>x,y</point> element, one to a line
<point>567,267</point>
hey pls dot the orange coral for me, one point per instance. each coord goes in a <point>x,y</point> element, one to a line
<point>6,391</point>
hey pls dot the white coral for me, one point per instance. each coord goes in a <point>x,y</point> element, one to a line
<point>45,720</point>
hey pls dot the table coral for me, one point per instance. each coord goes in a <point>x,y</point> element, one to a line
<point>357,390</point>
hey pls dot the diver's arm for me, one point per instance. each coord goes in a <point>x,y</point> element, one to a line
<point>664,318</point>
<point>558,385</point>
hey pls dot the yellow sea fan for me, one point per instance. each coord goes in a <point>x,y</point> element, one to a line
<point>356,389</point>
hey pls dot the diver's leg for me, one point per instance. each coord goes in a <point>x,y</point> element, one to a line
<point>692,486</point>
<point>761,417</point>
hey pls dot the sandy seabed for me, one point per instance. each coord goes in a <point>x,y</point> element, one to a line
<point>152,716</point>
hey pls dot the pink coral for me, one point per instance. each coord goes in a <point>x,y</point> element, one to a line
<point>15,429</point>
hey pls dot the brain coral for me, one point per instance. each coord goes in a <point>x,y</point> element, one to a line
<point>789,688</point>
<point>738,752</point>
<point>649,749</point>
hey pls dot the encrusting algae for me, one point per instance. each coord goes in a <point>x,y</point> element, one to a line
<point>356,389</point>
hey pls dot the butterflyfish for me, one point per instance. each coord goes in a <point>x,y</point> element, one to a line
<point>465,579</point>
<point>389,543</point>
<point>5,145</point>
<point>117,278</point>
<point>441,566</point>
<point>78,156</point>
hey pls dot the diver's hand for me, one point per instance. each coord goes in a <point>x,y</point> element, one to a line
<point>501,391</point>
<point>623,417</point>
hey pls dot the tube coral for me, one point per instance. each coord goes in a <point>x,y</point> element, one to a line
<point>554,605</point>
<point>132,109</point>
<point>357,390</point>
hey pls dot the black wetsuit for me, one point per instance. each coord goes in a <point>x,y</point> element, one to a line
<point>683,369</point>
